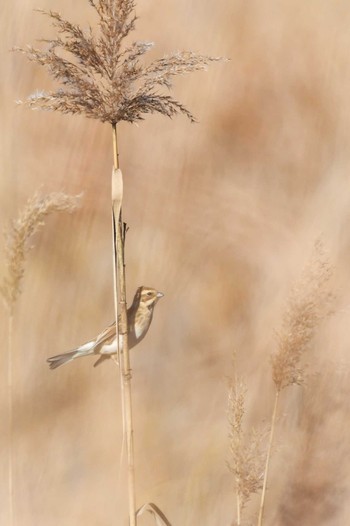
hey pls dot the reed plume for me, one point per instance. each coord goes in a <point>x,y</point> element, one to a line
<point>308,305</point>
<point>103,80</point>
<point>246,461</point>
<point>17,246</point>
<point>32,218</point>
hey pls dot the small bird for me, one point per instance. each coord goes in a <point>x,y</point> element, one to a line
<point>140,315</point>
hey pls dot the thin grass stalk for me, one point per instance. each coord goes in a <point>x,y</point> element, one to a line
<point>125,364</point>
<point>10,416</point>
<point>158,515</point>
<point>117,196</point>
<point>238,502</point>
<point>268,457</point>
<point>238,498</point>
<point>116,210</point>
<point>122,322</point>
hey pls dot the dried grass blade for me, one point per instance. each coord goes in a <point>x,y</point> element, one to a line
<point>158,515</point>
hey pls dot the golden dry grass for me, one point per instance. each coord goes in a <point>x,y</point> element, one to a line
<point>223,216</point>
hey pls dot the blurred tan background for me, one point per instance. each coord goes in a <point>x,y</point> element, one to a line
<point>223,216</point>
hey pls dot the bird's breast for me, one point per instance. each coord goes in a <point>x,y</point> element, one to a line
<point>142,323</point>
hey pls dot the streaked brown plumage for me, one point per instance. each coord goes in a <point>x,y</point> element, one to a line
<point>140,315</point>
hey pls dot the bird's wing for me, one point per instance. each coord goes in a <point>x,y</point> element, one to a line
<point>106,336</point>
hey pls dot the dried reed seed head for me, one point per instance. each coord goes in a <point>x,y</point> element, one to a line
<point>247,451</point>
<point>18,235</point>
<point>236,405</point>
<point>103,80</point>
<point>310,303</point>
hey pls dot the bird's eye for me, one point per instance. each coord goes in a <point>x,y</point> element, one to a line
<point>149,293</point>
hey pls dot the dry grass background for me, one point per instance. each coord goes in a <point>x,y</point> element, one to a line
<point>222,217</point>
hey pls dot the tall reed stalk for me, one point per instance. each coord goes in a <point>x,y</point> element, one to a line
<point>309,304</point>
<point>16,248</point>
<point>120,307</point>
<point>10,415</point>
<point>102,80</point>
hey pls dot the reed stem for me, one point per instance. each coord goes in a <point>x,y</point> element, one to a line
<point>268,456</point>
<point>10,417</point>
<point>122,326</point>
<point>238,501</point>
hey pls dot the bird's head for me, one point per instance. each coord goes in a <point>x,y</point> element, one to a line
<point>148,297</point>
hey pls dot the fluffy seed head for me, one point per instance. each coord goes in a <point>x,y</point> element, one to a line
<point>309,303</point>
<point>246,459</point>
<point>104,80</point>
<point>18,235</point>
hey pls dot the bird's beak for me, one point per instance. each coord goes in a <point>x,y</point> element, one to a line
<point>160,295</point>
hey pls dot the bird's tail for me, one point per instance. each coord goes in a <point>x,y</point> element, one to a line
<point>62,359</point>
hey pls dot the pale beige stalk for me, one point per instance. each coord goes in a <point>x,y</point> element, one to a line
<point>239,505</point>
<point>268,457</point>
<point>10,416</point>
<point>122,327</point>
